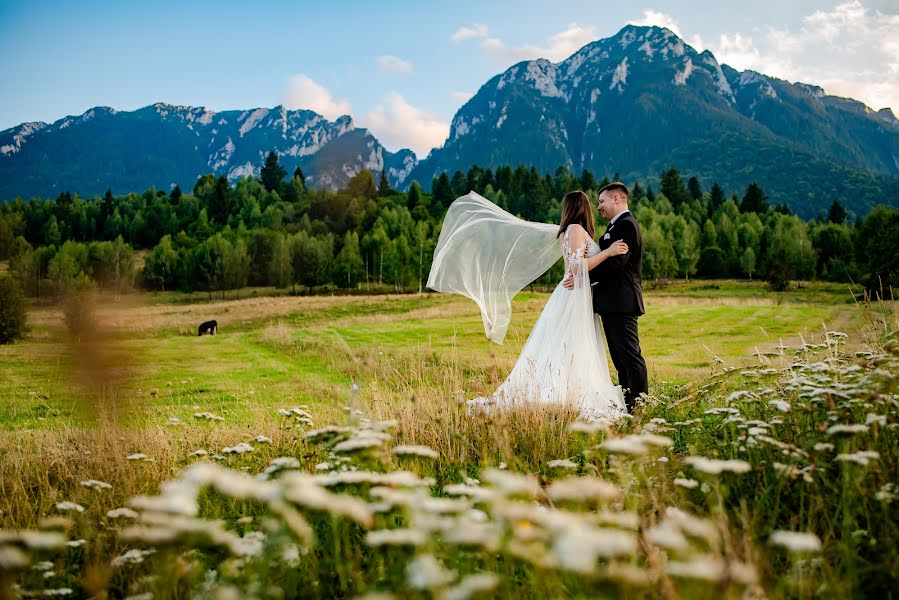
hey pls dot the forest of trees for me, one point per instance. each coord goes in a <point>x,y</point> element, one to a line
<point>274,231</point>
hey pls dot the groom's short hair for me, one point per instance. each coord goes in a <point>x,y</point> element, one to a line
<point>615,186</point>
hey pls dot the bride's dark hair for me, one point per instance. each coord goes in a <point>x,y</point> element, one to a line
<point>576,208</point>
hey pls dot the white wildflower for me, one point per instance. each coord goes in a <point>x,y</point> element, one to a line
<point>841,428</point>
<point>261,439</point>
<point>41,540</point>
<point>880,420</point>
<point>425,572</point>
<point>471,585</point>
<point>562,463</point>
<point>96,485</point>
<point>862,457</point>
<point>57,592</point>
<point>582,489</point>
<point>624,520</point>
<point>796,541</point>
<point>512,484</point>
<point>240,448</point>
<point>131,557</point>
<point>208,416</point>
<point>122,513</point>
<point>578,547</point>
<point>358,443</point>
<point>781,405</point>
<point>137,456</point>
<point>76,543</point>
<point>712,568</point>
<point>714,466</point>
<point>686,483</point>
<point>636,444</point>
<point>590,427</point>
<point>302,489</point>
<point>412,450</point>
<point>692,525</point>
<point>12,559</point>
<point>67,506</point>
<point>822,446</point>
<point>396,537</point>
<point>199,452</point>
<point>667,535</point>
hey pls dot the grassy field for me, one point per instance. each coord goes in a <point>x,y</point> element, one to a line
<point>311,349</point>
<point>72,410</point>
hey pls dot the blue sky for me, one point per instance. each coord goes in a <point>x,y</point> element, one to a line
<point>400,68</point>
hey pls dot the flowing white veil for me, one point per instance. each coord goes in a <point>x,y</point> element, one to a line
<point>489,255</point>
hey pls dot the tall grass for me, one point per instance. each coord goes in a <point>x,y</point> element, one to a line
<point>780,479</point>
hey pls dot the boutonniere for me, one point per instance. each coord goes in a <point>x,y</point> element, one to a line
<point>606,236</point>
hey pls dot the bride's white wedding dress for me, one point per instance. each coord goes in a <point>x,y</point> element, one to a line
<point>564,358</point>
<point>488,255</point>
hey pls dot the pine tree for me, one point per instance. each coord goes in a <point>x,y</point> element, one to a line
<point>754,200</point>
<point>384,188</point>
<point>272,173</point>
<point>587,181</point>
<point>220,201</point>
<point>716,198</point>
<point>442,193</point>
<point>413,198</point>
<point>836,214</point>
<point>298,174</point>
<point>673,187</point>
<point>637,192</point>
<point>176,194</point>
<point>694,188</point>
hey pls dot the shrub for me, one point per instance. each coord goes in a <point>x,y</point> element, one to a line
<point>12,310</point>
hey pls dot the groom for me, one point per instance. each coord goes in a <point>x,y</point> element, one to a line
<point>618,292</point>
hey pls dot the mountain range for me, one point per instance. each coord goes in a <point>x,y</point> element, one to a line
<point>631,104</point>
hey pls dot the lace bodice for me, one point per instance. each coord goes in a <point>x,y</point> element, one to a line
<point>573,255</point>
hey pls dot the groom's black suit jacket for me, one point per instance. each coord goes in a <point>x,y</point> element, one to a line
<point>618,281</point>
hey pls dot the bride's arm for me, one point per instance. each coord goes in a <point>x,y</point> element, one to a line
<point>579,261</point>
<point>616,249</point>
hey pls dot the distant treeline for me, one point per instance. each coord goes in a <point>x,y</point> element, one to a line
<point>273,230</point>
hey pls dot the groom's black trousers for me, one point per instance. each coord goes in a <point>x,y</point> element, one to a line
<point>624,347</point>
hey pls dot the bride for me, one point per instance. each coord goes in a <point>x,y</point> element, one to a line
<point>488,255</point>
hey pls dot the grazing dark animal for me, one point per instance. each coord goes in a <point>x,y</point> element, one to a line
<point>209,327</point>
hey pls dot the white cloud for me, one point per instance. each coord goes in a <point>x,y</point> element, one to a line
<point>561,45</point>
<point>393,65</point>
<point>398,124</point>
<point>303,92</point>
<point>848,50</point>
<point>461,97</point>
<point>464,33</point>
<point>659,19</point>
<point>738,51</point>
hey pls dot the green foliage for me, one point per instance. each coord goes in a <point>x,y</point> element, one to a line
<point>272,173</point>
<point>754,200</point>
<point>78,306</point>
<point>679,225</point>
<point>13,310</point>
<point>877,250</point>
<point>712,262</point>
